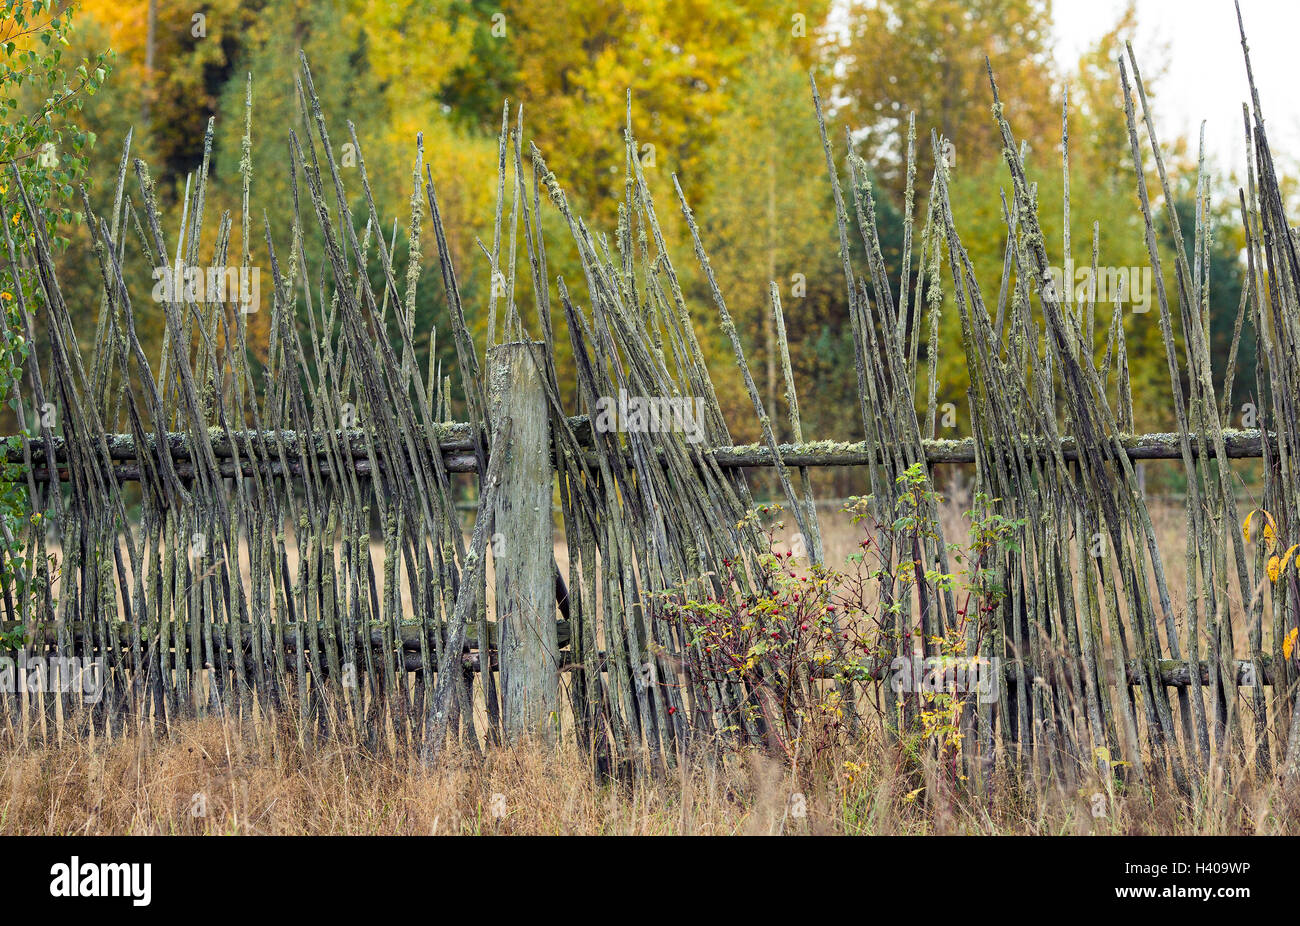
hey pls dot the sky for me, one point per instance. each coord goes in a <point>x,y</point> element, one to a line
<point>1205,75</point>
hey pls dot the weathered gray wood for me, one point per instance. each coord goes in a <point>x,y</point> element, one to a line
<point>455,442</point>
<point>408,635</point>
<point>1157,446</point>
<point>523,543</point>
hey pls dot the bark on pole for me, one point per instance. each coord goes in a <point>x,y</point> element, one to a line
<point>523,545</point>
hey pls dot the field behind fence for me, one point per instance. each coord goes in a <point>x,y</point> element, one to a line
<point>209,538</point>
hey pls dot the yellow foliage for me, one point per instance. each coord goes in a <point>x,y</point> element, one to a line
<point>1270,527</point>
<point>1286,560</point>
<point>576,59</point>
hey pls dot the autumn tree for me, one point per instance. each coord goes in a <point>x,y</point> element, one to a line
<point>575,61</point>
<point>175,62</point>
<point>928,57</point>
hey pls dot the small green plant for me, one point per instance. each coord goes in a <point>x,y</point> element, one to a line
<point>12,640</point>
<point>787,645</point>
<point>760,650</point>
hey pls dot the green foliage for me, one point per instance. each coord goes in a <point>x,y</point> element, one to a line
<point>41,90</point>
<point>12,640</point>
<point>478,85</point>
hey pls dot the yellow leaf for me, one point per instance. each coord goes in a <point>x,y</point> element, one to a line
<point>1288,644</point>
<point>1287,558</point>
<point>1270,527</point>
<point>1102,753</point>
<point>1274,568</point>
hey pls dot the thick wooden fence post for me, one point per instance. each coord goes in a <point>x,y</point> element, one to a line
<point>523,545</point>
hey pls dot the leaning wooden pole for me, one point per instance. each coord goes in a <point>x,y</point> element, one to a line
<point>522,544</point>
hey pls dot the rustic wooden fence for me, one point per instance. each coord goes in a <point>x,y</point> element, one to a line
<point>230,539</point>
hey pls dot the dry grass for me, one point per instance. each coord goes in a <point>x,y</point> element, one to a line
<point>266,782</point>
<point>261,779</point>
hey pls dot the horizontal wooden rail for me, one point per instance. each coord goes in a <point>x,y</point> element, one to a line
<point>260,451</point>
<point>1156,446</point>
<point>48,634</point>
<point>1174,673</point>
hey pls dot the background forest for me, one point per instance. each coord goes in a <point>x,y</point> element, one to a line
<point>719,97</point>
